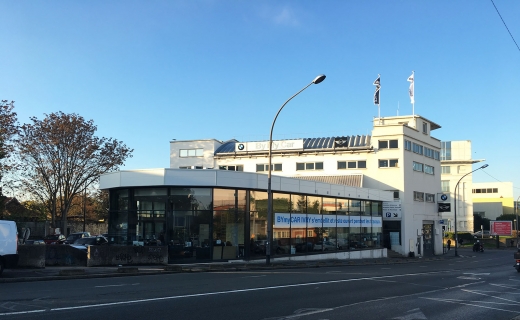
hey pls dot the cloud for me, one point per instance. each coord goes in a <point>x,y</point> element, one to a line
<point>286,16</point>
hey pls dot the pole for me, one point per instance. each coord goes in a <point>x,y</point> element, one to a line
<point>317,80</point>
<point>516,224</point>
<point>84,207</point>
<point>455,202</point>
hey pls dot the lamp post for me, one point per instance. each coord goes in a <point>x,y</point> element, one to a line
<point>516,221</point>
<point>317,80</point>
<point>456,237</point>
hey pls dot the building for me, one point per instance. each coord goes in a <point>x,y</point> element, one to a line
<point>457,162</point>
<point>399,156</point>
<point>492,199</point>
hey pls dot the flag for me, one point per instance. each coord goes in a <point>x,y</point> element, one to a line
<point>377,83</point>
<point>411,89</point>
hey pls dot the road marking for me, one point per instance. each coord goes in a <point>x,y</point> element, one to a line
<point>487,295</point>
<point>417,314</point>
<point>260,276</point>
<point>478,274</point>
<point>120,303</point>
<point>468,304</point>
<point>117,285</point>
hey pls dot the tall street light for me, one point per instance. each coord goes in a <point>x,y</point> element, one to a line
<point>456,237</point>
<point>317,80</point>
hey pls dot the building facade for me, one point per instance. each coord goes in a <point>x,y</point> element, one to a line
<point>457,162</point>
<point>400,156</point>
<point>492,199</point>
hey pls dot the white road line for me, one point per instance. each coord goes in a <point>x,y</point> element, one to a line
<point>468,304</point>
<point>487,295</point>
<point>242,290</point>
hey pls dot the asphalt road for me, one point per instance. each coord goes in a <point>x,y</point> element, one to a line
<point>474,286</point>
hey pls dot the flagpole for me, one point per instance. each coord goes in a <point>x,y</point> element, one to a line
<point>413,104</point>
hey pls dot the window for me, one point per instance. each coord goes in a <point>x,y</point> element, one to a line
<point>388,144</point>
<point>486,190</point>
<point>309,166</point>
<point>445,150</point>
<point>189,167</point>
<point>417,166</point>
<point>430,197</point>
<point>417,148</point>
<point>232,168</point>
<point>445,185</point>
<point>352,164</point>
<point>408,145</point>
<point>183,153</point>
<point>425,127</point>
<point>418,196</point>
<point>445,169</point>
<point>436,155</point>
<point>396,194</point>
<point>388,163</point>
<point>265,167</point>
<point>430,153</point>
<point>428,169</point>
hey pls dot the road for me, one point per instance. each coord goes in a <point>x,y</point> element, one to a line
<point>474,286</point>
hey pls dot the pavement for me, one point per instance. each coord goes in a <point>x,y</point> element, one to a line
<point>63,272</point>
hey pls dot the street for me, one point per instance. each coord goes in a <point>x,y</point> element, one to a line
<point>473,286</point>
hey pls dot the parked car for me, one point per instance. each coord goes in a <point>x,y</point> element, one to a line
<point>485,234</point>
<point>84,243</point>
<point>33,241</point>
<point>325,246</point>
<point>75,236</point>
<point>54,239</point>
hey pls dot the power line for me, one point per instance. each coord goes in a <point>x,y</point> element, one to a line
<point>497,179</point>
<point>505,25</point>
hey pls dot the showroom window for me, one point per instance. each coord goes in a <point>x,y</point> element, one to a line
<point>309,166</point>
<point>265,167</point>
<point>360,164</point>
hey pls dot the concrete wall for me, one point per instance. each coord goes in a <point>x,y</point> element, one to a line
<point>127,255</point>
<point>31,256</point>
<point>63,255</point>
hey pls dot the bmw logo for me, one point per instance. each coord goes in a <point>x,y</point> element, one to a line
<point>444,197</point>
<point>241,146</point>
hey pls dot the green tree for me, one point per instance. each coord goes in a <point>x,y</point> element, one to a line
<point>62,157</point>
<point>8,130</point>
<point>479,221</point>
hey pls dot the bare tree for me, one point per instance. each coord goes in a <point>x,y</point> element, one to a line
<point>8,130</point>
<point>62,157</point>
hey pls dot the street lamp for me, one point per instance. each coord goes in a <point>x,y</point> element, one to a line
<point>516,221</point>
<point>317,80</point>
<point>455,198</point>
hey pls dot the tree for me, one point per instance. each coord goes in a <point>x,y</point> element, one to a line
<point>478,221</point>
<point>8,130</point>
<point>62,157</point>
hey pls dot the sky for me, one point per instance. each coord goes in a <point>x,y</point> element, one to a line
<point>148,72</point>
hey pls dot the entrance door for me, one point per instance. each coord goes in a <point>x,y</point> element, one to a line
<point>428,238</point>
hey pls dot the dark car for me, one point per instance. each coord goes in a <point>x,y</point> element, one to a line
<point>75,236</point>
<point>84,243</point>
<point>54,239</point>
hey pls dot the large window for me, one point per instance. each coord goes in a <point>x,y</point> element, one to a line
<point>408,145</point>
<point>417,166</point>
<point>309,166</point>
<point>418,196</point>
<point>417,148</point>
<point>183,153</point>
<point>262,167</point>
<point>445,150</point>
<point>388,144</point>
<point>359,164</point>
<point>445,169</point>
<point>445,186</point>
<point>428,169</point>
<point>388,163</point>
<point>485,190</point>
<point>238,167</point>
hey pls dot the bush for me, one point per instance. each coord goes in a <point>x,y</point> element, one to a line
<point>465,236</point>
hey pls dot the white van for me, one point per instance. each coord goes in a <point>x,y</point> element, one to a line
<point>8,245</point>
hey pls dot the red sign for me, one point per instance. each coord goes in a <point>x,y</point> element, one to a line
<point>501,228</point>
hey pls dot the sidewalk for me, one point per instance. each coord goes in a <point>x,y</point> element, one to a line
<point>61,273</point>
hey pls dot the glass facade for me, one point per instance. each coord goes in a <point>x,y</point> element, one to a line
<point>225,224</point>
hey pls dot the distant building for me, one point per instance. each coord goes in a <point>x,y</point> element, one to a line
<point>492,199</point>
<point>456,161</point>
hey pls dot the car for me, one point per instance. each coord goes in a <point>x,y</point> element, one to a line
<point>34,241</point>
<point>54,239</point>
<point>325,246</point>
<point>75,236</point>
<point>260,247</point>
<point>85,242</point>
<point>480,234</point>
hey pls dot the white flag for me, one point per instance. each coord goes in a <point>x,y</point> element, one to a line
<point>411,89</point>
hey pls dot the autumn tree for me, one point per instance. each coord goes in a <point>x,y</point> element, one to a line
<point>62,157</point>
<point>8,131</point>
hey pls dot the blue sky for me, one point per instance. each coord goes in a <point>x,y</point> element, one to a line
<point>148,72</point>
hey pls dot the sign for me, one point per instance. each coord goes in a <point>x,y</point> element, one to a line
<point>443,197</point>
<point>443,207</point>
<point>441,221</point>
<point>264,145</point>
<point>392,210</point>
<point>302,220</point>
<point>500,228</point>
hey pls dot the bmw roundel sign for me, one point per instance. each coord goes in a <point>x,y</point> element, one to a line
<point>443,197</point>
<point>241,146</point>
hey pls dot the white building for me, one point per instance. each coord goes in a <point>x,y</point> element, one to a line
<point>399,156</point>
<point>456,162</point>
